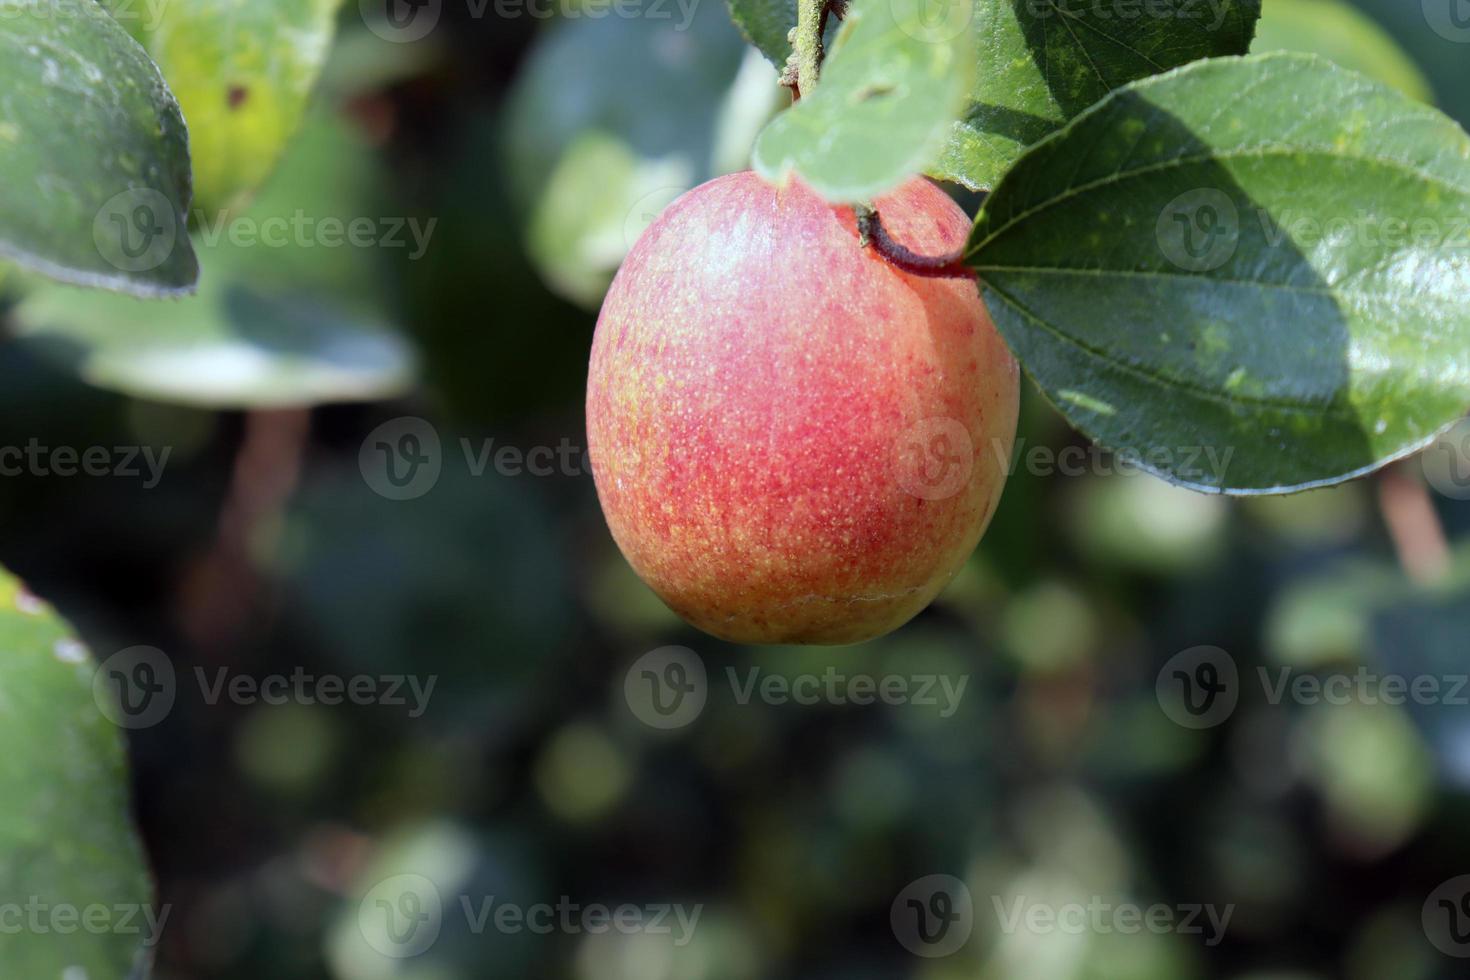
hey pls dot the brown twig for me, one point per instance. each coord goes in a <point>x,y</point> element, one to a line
<point>1413,523</point>
<point>224,587</point>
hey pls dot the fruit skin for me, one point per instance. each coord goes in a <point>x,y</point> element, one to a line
<point>776,416</point>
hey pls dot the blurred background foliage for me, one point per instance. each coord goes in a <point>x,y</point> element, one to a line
<point>542,148</point>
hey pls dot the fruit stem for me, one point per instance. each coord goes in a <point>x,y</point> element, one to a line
<point>872,233</point>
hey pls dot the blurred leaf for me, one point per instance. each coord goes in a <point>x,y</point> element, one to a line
<point>1051,628</point>
<point>599,200</point>
<point>1334,516</point>
<point>65,833</point>
<point>1373,770</point>
<point>422,586</point>
<point>766,24</point>
<point>424,907</point>
<point>1338,32</point>
<point>243,72</point>
<point>610,120</point>
<point>1042,63</point>
<point>1423,637</point>
<point>363,61</point>
<point>95,153</point>
<point>1372,617</point>
<point>1146,524</point>
<point>1439,52</point>
<point>1327,619</point>
<point>273,325</point>
<point>232,346</point>
<point>1310,357</point>
<point>890,89</point>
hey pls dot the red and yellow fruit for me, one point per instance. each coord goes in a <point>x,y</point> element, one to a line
<point>795,441</point>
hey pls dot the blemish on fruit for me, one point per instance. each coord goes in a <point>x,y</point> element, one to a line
<point>237,96</point>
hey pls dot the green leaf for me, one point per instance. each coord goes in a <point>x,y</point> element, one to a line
<point>1340,33</point>
<point>243,73</point>
<point>94,153</point>
<point>1266,257</point>
<point>1044,61</point>
<point>293,324</point>
<point>232,346</point>
<point>766,24</point>
<point>590,173</point>
<point>66,840</point>
<point>889,92</point>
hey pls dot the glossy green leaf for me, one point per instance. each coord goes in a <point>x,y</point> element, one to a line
<point>1265,256</point>
<point>66,839</point>
<point>889,92</point>
<point>94,153</point>
<point>1041,62</point>
<point>243,73</point>
<point>766,24</point>
<point>289,311</point>
<point>1339,32</point>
